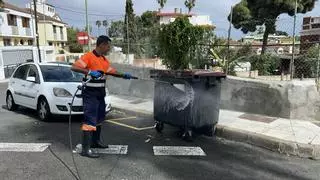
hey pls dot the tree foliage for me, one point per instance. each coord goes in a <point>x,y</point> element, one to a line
<point>281,33</point>
<point>190,4</point>
<point>220,53</point>
<point>105,24</point>
<point>116,29</point>
<point>266,64</point>
<point>177,40</point>
<point>307,64</point>
<point>130,30</point>
<point>162,3</point>
<point>98,23</point>
<point>248,14</point>
<point>148,30</point>
<point>72,43</point>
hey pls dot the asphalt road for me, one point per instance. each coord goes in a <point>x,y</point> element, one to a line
<point>223,160</point>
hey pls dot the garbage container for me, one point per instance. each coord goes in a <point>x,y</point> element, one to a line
<point>189,100</point>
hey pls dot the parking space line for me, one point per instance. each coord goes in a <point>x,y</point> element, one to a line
<point>125,118</point>
<point>114,121</point>
<point>146,128</point>
<point>124,125</point>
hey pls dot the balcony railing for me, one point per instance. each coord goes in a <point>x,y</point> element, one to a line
<point>15,30</point>
<point>28,32</point>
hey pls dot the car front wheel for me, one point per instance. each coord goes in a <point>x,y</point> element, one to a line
<point>43,110</point>
<point>11,105</point>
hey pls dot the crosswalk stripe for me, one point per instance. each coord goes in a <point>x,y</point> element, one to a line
<point>178,151</point>
<point>23,147</point>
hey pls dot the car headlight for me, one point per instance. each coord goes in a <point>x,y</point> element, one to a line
<point>60,92</point>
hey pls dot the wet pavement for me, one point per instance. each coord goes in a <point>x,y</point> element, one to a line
<point>150,155</point>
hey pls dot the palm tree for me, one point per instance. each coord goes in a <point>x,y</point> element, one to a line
<point>190,4</point>
<point>105,24</point>
<point>98,23</point>
<point>162,3</point>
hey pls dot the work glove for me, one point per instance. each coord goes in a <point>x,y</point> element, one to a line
<point>95,74</point>
<point>127,76</point>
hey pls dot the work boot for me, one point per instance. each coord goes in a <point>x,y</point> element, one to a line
<point>86,141</point>
<point>96,142</point>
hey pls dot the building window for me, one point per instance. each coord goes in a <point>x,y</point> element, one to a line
<point>50,43</point>
<point>306,20</point>
<point>21,42</point>
<point>7,42</point>
<point>12,20</point>
<point>306,27</point>
<point>25,22</point>
<point>61,32</point>
<point>315,26</point>
<point>54,29</point>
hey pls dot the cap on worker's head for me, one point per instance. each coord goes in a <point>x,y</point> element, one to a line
<point>103,39</point>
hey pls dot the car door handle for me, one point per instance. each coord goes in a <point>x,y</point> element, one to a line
<point>23,85</point>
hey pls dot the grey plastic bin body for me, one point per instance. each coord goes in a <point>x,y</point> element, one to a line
<point>189,100</point>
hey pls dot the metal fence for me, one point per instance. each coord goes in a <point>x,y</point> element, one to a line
<point>290,52</point>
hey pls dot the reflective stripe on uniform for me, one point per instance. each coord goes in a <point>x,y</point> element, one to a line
<point>86,127</point>
<point>95,84</point>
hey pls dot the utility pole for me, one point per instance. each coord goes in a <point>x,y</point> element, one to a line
<point>87,24</point>
<point>294,40</point>
<point>37,31</point>
<point>318,65</point>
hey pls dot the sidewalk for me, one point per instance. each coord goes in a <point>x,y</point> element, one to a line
<point>4,81</point>
<point>293,137</point>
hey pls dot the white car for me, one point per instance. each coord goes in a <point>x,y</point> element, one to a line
<point>47,88</point>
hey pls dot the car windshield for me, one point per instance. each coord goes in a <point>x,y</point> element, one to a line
<point>59,74</point>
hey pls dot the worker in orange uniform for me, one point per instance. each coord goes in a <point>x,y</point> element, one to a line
<point>94,64</point>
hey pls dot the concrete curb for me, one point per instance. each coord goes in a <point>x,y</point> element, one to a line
<point>263,141</point>
<point>271,143</point>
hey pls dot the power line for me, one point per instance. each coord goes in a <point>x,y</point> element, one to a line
<point>83,12</point>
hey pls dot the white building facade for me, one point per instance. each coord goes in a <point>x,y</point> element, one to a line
<point>197,20</point>
<point>16,27</point>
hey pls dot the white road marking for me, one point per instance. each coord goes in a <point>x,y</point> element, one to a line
<point>113,149</point>
<point>23,147</point>
<point>178,151</point>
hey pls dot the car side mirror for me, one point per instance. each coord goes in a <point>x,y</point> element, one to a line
<point>31,79</point>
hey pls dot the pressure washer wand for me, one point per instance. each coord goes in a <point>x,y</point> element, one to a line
<point>136,78</point>
<point>119,75</point>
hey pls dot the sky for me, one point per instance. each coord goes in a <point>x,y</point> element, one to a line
<point>72,12</point>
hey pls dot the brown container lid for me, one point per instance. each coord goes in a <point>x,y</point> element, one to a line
<point>185,73</point>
